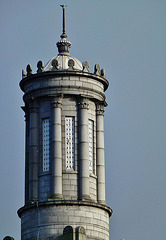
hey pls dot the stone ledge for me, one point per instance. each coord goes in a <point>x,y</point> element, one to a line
<point>64,202</point>
<point>66,90</point>
<point>63,73</point>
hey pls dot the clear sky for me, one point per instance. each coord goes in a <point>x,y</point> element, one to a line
<point>128,39</point>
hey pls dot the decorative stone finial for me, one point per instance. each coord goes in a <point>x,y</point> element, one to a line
<point>85,65</point>
<point>24,73</point>
<point>71,64</point>
<point>54,64</point>
<point>29,70</point>
<point>64,47</point>
<point>40,66</point>
<point>103,72</point>
<point>97,69</point>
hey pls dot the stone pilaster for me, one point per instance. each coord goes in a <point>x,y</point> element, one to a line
<point>33,150</point>
<point>56,149</point>
<point>25,109</point>
<point>84,149</point>
<point>100,162</point>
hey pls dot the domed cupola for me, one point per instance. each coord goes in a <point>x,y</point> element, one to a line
<point>63,62</point>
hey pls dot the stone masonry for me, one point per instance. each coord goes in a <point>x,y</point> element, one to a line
<point>64,160</point>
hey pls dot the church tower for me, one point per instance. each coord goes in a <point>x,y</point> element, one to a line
<point>64,160</point>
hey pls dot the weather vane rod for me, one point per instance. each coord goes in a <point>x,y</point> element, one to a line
<point>63,32</point>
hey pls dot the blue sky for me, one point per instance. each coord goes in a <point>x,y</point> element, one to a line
<point>127,38</point>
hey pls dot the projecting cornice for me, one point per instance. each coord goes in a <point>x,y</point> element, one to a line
<point>66,203</point>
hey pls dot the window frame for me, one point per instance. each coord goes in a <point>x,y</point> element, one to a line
<point>47,148</point>
<point>70,150</point>
<point>91,157</point>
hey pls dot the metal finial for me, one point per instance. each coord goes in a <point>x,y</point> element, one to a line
<point>63,31</point>
<point>63,45</point>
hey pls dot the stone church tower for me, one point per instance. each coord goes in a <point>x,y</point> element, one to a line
<point>64,161</point>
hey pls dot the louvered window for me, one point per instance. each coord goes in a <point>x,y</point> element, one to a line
<point>46,144</point>
<point>70,142</point>
<point>91,136</point>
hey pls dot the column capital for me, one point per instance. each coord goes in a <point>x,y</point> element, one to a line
<point>25,109</point>
<point>83,104</point>
<point>33,107</point>
<point>100,109</point>
<point>56,102</point>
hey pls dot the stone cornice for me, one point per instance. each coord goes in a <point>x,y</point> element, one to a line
<point>74,90</point>
<point>32,77</point>
<point>66,203</point>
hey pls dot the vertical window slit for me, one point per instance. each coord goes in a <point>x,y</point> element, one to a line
<point>70,142</point>
<point>91,139</point>
<point>46,145</point>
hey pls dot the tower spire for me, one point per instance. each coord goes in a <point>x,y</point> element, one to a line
<point>63,31</point>
<point>63,45</point>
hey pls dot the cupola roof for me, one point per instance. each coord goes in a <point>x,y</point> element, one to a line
<point>61,62</point>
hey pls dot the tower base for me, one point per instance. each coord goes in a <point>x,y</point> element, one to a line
<point>62,220</point>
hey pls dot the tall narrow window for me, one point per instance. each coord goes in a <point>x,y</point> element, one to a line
<point>91,146</point>
<point>46,144</point>
<point>70,142</point>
